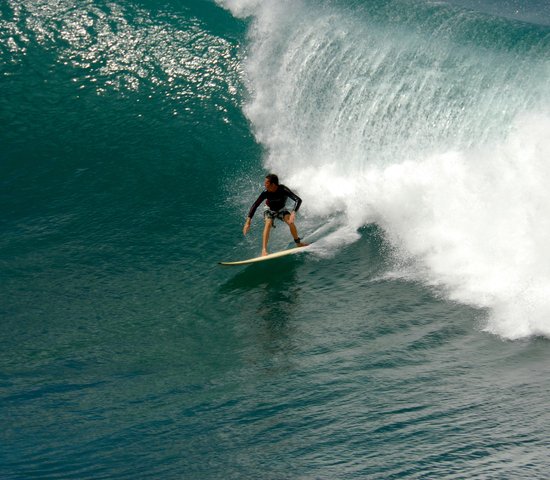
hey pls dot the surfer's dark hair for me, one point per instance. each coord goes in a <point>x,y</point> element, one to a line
<point>272,178</point>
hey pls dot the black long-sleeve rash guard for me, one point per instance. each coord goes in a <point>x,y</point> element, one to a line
<point>276,200</point>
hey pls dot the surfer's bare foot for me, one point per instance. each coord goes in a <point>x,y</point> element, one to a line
<point>264,253</point>
<point>301,244</point>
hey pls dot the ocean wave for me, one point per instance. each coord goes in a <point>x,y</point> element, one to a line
<point>437,136</point>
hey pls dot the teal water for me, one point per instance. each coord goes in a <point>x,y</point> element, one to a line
<point>410,342</point>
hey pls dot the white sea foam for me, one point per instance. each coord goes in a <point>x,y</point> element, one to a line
<point>445,147</point>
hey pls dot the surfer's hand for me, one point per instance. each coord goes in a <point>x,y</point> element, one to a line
<point>246,227</point>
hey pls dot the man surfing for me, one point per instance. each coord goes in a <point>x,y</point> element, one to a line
<point>275,197</point>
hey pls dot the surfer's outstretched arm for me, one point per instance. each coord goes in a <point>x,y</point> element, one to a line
<point>252,210</point>
<point>246,227</point>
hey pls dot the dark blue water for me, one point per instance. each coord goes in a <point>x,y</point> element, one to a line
<point>411,341</point>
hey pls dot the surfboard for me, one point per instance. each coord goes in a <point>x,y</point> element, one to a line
<point>271,256</point>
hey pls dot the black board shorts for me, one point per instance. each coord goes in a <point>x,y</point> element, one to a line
<point>273,214</point>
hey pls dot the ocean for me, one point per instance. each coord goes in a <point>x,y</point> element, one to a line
<point>409,342</point>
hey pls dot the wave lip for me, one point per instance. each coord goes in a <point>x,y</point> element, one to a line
<point>535,12</point>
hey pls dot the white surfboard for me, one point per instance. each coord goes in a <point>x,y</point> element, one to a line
<point>271,256</point>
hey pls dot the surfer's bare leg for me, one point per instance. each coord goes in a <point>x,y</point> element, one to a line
<point>265,240</point>
<point>289,220</point>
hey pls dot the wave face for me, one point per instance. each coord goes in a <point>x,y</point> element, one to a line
<point>430,120</point>
<point>109,107</point>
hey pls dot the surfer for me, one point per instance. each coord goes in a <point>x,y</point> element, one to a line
<point>275,197</point>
